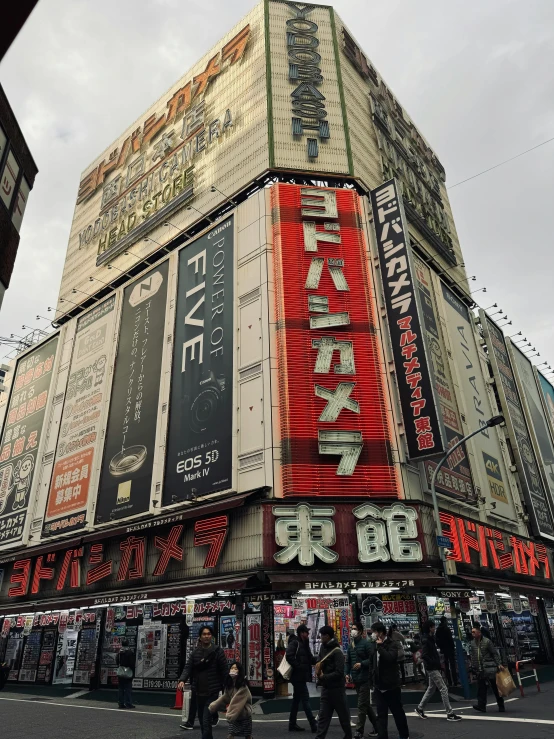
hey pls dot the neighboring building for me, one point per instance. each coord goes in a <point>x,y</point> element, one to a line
<point>17,176</point>
<point>13,22</point>
<point>266,343</point>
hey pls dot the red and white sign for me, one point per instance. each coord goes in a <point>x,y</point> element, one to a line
<point>335,425</point>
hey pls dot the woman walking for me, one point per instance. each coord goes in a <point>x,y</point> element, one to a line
<point>238,699</point>
<point>125,673</point>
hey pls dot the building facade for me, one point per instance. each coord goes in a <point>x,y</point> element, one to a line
<point>266,344</point>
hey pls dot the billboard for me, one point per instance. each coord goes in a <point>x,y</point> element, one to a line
<point>547,394</point>
<point>78,442</point>
<point>418,401</point>
<point>487,456</point>
<point>21,437</point>
<point>199,449</point>
<point>536,496</point>
<point>455,478</point>
<point>536,420</point>
<point>126,476</point>
<point>335,421</point>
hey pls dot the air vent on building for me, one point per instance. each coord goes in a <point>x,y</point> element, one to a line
<point>254,370</point>
<point>48,457</point>
<point>36,524</point>
<point>58,398</point>
<point>249,297</point>
<point>251,459</point>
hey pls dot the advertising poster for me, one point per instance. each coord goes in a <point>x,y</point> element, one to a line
<point>31,657</point>
<point>456,480</point>
<point>199,457</point>
<point>230,638</point>
<point>66,652</point>
<point>531,480</point>
<point>418,399</point>
<point>173,657</point>
<point>21,437</point>
<point>547,394</point>
<point>14,652</point>
<point>488,454</point>
<point>126,476</point>
<point>254,650</point>
<point>86,654</point>
<point>268,668</point>
<point>151,651</point>
<point>536,419</point>
<point>46,661</point>
<point>68,498</point>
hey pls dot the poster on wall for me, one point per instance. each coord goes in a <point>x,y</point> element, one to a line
<point>456,480</point>
<point>31,657</point>
<point>68,498</point>
<point>21,437</point>
<point>46,661</point>
<point>547,394</point>
<point>14,652</point>
<point>87,651</point>
<point>151,651</point>
<point>230,634</point>
<point>126,476</point>
<point>199,458</point>
<point>66,652</point>
<point>254,650</point>
<point>538,505</point>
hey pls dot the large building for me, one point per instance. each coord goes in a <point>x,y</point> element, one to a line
<point>266,344</point>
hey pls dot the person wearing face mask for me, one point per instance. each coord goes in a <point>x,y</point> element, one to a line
<point>359,670</point>
<point>238,699</point>
<point>300,658</point>
<point>330,675</point>
<point>388,695</point>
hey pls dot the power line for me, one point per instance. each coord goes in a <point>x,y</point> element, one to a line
<point>511,159</point>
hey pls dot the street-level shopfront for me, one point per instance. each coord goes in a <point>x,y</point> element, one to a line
<point>254,572</point>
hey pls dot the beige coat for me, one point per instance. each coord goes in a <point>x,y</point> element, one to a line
<point>238,702</point>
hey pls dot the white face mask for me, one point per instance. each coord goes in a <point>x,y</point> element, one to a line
<point>233,673</point>
<point>354,633</point>
<point>374,637</point>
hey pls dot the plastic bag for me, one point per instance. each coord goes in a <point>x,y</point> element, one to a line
<point>504,682</point>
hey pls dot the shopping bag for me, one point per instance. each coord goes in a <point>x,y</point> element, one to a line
<point>504,682</point>
<point>285,669</point>
<point>186,706</point>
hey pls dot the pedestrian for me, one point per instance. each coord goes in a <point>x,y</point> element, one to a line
<point>238,700</point>
<point>399,638</point>
<point>387,692</point>
<point>206,668</point>
<point>300,658</point>
<point>4,672</point>
<point>125,661</point>
<point>445,642</point>
<point>360,659</point>
<point>188,725</point>
<point>485,663</point>
<point>432,663</point>
<point>330,675</point>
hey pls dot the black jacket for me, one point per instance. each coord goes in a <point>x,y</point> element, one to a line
<point>332,669</point>
<point>300,658</point>
<point>361,651</point>
<point>126,658</point>
<point>386,672</point>
<point>444,639</point>
<point>430,654</point>
<point>214,662</point>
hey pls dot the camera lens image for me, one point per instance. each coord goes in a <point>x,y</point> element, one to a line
<point>204,407</point>
<point>128,460</point>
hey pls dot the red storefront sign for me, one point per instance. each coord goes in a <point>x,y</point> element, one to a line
<point>335,426</point>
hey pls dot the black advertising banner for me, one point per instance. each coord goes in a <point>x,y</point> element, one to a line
<point>126,477</point>
<point>423,427</point>
<point>21,437</point>
<point>455,479</point>
<point>199,457</point>
<point>531,481</point>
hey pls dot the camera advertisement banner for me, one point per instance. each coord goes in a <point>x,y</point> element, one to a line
<point>531,481</point>
<point>418,400</point>
<point>199,456</point>
<point>455,477</point>
<point>68,498</point>
<point>547,394</point>
<point>21,437</point>
<point>126,477</point>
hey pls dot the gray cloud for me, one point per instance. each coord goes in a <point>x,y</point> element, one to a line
<point>476,79</point>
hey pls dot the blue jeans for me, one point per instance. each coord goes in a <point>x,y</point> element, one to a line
<point>125,692</point>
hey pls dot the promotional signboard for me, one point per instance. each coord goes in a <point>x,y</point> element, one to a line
<point>418,401</point>
<point>547,395</point>
<point>126,477</point>
<point>455,477</point>
<point>488,454</point>
<point>254,671</point>
<point>336,436</point>
<point>66,652</point>
<point>199,451</point>
<point>151,651</point>
<point>536,496</point>
<point>21,437</point>
<point>78,442</point>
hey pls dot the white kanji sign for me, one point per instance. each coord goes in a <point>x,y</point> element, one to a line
<point>305,532</point>
<point>387,533</point>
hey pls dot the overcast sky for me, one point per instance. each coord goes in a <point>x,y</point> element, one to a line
<point>477,78</point>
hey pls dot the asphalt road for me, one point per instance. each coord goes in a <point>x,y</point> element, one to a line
<point>68,718</point>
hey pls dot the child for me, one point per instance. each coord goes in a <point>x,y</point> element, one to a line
<point>238,699</point>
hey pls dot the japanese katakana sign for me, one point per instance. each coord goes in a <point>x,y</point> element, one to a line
<point>335,426</point>
<point>70,486</point>
<point>21,437</point>
<point>126,477</point>
<point>422,423</point>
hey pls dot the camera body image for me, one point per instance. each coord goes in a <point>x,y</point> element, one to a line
<point>201,408</point>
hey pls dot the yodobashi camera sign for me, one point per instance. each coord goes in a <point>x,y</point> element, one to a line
<point>199,444</point>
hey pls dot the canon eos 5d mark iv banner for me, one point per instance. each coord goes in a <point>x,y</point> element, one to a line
<point>423,426</point>
<point>199,457</point>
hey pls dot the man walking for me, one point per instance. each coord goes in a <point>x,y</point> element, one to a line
<point>359,669</point>
<point>387,684</point>
<point>300,658</point>
<point>207,669</point>
<point>445,642</point>
<point>330,675</point>
<point>485,663</point>
<point>431,662</point>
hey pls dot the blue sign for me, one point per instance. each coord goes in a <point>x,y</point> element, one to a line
<point>444,542</point>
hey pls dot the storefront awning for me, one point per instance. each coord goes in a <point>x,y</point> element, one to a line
<point>516,586</point>
<point>354,579</point>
